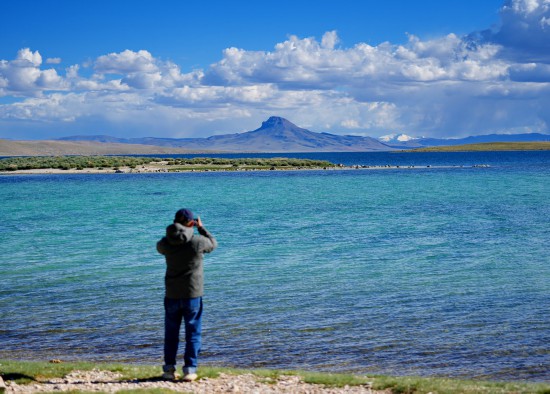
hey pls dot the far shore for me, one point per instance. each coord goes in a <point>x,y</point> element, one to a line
<point>488,147</point>
<point>163,168</point>
<point>20,148</point>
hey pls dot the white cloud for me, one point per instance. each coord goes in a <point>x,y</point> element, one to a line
<point>524,7</point>
<point>299,63</point>
<point>23,76</point>
<point>53,60</point>
<point>329,40</point>
<point>27,58</point>
<point>530,72</point>
<point>350,124</point>
<point>49,79</point>
<point>125,62</point>
<point>142,80</point>
<point>52,108</point>
<point>523,31</point>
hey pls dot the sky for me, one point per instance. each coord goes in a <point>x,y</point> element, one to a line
<point>179,68</point>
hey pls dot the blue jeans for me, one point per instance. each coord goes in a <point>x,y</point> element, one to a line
<point>190,310</point>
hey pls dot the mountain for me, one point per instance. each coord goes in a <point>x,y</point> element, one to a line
<point>280,135</point>
<point>407,142</point>
<point>275,135</point>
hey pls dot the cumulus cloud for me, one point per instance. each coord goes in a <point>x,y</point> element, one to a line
<point>125,62</point>
<point>24,77</point>
<point>27,58</point>
<point>524,31</point>
<point>305,63</point>
<point>490,81</point>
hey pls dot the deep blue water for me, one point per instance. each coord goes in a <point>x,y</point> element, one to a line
<point>425,271</point>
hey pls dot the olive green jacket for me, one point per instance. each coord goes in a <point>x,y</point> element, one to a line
<point>184,250</point>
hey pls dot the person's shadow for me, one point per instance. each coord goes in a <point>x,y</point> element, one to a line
<point>24,379</point>
<point>18,376</point>
<point>144,380</point>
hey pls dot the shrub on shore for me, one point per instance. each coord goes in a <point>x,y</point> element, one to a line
<point>99,162</point>
<point>68,162</point>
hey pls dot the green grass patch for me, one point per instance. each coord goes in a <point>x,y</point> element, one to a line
<point>334,379</point>
<point>26,372</point>
<point>489,146</point>
<point>409,385</point>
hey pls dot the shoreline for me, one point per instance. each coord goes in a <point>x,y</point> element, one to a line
<point>58,376</point>
<point>164,168</point>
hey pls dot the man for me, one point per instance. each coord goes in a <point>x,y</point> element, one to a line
<point>184,282</point>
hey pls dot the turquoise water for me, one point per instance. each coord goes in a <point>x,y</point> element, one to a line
<point>440,271</point>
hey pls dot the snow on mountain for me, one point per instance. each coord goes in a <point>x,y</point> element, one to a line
<point>396,138</point>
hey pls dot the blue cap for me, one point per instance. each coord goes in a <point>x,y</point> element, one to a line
<point>184,215</point>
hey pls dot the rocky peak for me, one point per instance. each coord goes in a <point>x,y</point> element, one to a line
<point>276,122</point>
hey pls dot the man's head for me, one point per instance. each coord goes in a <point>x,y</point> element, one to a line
<point>185,217</point>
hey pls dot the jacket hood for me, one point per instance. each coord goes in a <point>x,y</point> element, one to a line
<point>177,234</point>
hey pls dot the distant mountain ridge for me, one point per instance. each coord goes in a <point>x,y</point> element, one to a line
<point>277,134</point>
<point>82,148</point>
<point>400,141</point>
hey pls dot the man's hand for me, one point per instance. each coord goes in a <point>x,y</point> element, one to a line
<point>198,222</point>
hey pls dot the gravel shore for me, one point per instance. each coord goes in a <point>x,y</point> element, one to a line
<point>106,381</point>
<point>163,168</point>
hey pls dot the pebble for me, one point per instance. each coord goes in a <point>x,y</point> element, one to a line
<point>109,382</point>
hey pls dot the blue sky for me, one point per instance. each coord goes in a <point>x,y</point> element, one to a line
<point>189,69</point>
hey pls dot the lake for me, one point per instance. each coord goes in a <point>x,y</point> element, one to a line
<point>434,271</point>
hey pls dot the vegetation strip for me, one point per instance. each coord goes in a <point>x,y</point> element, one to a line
<point>488,147</point>
<point>172,164</point>
<point>30,373</point>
